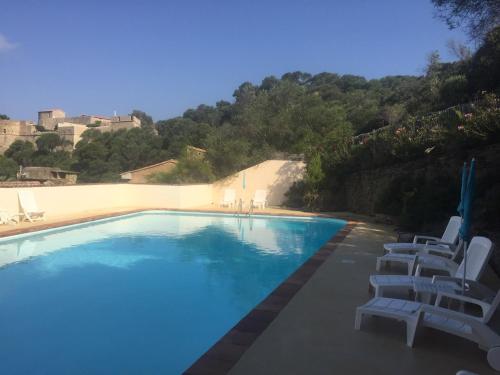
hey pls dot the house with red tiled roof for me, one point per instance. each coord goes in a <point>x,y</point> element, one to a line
<point>141,175</point>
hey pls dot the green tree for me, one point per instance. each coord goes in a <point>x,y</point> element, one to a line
<point>484,72</point>
<point>8,168</point>
<point>187,171</point>
<point>226,153</point>
<point>92,163</point>
<point>453,90</point>
<point>477,16</point>
<point>146,120</point>
<point>179,132</point>
<point>4,117</point>
<point>103,156</point>
<point>313,179</point>
<point>21,152</point>
<point>48,142</point>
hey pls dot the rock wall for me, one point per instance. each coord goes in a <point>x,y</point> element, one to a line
<point>426,190</point>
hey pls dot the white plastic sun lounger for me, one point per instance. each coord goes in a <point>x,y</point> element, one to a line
<point>444,245</point>
<point>479,252</point>
<point>29,207</point>
<point>424,256</point>
<point>229,199</point>
<point>260,199</point>
<point>6,218</point>
<point>416,314</point>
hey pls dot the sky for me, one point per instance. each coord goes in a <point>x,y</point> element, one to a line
<point>163,57</point>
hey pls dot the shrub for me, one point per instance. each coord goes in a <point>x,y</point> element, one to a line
<point>187,171</point>
<point>8,168</point>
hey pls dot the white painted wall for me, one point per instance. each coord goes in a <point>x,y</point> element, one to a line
<point>275,176</point>
<point>66,200</point>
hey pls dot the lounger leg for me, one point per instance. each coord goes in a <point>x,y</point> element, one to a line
<point>410,268</point>
<point>411,328</point>
<point>379,264</point>
<point>357,320</point>
<point>493,357</point>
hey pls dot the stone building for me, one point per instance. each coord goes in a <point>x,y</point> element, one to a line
<point>195,153</point>
<point>141,175</point>
<point>48,119</point>
<point>56,121</point>
<point>48,175</point>
<point>13,130</point>
<point>119,122</point>
<point>71,132</point>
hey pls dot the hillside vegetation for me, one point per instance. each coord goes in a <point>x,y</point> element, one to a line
<point>315,115</point>
<point>299,113</point>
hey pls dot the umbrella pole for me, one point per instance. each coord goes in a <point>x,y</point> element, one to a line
<point>465,267</point>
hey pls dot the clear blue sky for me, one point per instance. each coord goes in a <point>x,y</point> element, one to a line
<point>166,56</point>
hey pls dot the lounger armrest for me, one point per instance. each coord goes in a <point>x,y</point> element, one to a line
<point>440,243</point>
<point>438,251</point>
<point>448,313</point>
<point>420,237</point>
<point>475,288</point>
<point>447,278</point>
<point>459,297</point>
<point>450,266</point>
<point>404,250</point>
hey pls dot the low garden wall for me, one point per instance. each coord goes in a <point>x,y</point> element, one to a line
<point>78,199</point>
<point>275,176</point>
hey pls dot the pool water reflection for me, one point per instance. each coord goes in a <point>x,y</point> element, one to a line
<point>145,293</point>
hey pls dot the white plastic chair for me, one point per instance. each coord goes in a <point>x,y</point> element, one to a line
<point>260,199</point>
<point>7,218</point>
<point>29,207</point>
<point>425,255</point>
<point>444,245</point>
<point>229,199</point>
<point>479,252</point>
<point>416,314</point>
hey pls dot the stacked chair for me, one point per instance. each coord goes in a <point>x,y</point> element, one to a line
<point>425,306</point>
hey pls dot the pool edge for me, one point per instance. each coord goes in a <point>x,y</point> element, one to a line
<point>221,357</point>
<point>41,225</point>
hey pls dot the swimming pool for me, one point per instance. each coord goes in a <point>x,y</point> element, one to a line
<point>144,293</point>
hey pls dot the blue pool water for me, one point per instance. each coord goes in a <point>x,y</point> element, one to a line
<point>142,294</point>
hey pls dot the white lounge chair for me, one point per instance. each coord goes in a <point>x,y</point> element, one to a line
<point>6,218</point>
<point>29,208</point>
<point>423,256</point>
<point>444,245</point>
<point>260,199</point>
<point>229,199</point>
<point>416,314</point>
<point>479,252</point>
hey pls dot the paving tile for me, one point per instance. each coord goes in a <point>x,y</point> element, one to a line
<point>209,366</point>
<point>239,338</point>
<point>225,352</point>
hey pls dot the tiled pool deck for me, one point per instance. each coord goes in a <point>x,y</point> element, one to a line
<point>306,325</point>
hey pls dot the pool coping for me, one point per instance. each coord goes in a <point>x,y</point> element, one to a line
<point>226,352</point>
<point>221,357</point>
<point>41,225</point>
